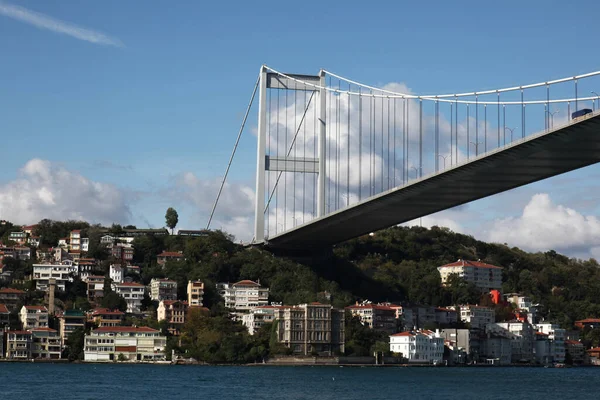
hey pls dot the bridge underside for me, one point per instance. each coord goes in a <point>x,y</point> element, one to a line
<point>532,159</point>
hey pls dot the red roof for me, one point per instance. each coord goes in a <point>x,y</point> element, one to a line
<point>19,332</point>
<point>403,334</point>
<point>588,321</point>
<point>594,350</point>
<point>106,311</point>
<point>11,291</point>
<point>3,309</point>
<point>541,334</point>
<point>573,342</point>
<point>371,307</point>
<point>170,302</point>
<point>43,329</point>
<point>170,254</point>
<point>246,282</point>
<point>467,263</point>
<point>133,284</point>
<point>39,308</point>
<point>443,309</point>
<point>133,329</point>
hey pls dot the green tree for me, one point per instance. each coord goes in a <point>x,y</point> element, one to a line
<point>171,218</point>
<point>75,345</point>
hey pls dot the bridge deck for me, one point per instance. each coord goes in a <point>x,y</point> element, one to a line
<point>525,161</point>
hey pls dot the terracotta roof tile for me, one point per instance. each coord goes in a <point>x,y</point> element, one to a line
<point>134,329</point>
<point>467,263</point>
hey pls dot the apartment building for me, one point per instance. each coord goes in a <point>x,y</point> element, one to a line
<point>10,297</point>
<point>18,345</point>
<point>522,338</point>
<point>496,349</point>
<point>46,344</point>
<point>195,293</point>
<point>420,346</point>
<point>575,350</point>
<point>69,321</point>
<point>105,317</point>
<point>95,288</point>
<point>33,317</point>
<point>375,316</point>
<point>465,339</point>
<point>477,316</point>
<point>132,292</point>
<point>556,338</point>
<point>163,289</point>
<point>75,240</point>
<point>18,237</point>
<point>62,273</point>
<point>524,304</point>
<point>174,312</point>
<point>4,317</point>
<point>116,273</point>
<point>126,342</point>
<point>311,328</point>
<point>486,277</point>
<point>122,251</point>
<point>257,317</point>
<point>446,316</point>
<point>242,296</point>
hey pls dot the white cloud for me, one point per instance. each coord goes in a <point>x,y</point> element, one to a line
<point>43,21</point>
<point>46,190</point>
<point>545,225</point>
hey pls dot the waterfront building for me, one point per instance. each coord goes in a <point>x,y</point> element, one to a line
<point>33,317</point>
<point>69,321</point>
<point>195,293</point>
<point>495,349</point>
<point>163,289</point>
<point>46,344</point>
<point>556,337</point>
<point>174,312</point>
<point>257,317</point>
<point>477,316</point>
<point>466,339</point>
<point>105,317</point>
<point>18,345</point>
<point>132,292</point>
<point>311,328</point>
<point>375,316</point>
<point>419,346</point>
<point>522,338</point>
<point>61,273</point>
<point>575,350</point>
<point>4,317</point>
<point>242,296</point>
<point>127,343</point>
<point>486,277</point>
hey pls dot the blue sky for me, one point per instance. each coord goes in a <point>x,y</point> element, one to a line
<point>139,104</point>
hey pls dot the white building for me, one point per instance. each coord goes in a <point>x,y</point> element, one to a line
<point>195,293</point>
<point>420,346</point>
<point>524,303</point>
<point>257,317</point>
<point>33,317</point>
<point>132,292</point>
<point>496,349</point>
<point>127,343</point>
<point>75,240</point>
<point>163,289</point>
<point>556,337</point>
<point>62,273</point>
<point>477,316</point>
<point>485,276</point>
<point>244,295</point>
<point>522,338</point>
<point>116,273</point>
<point>85,244</point>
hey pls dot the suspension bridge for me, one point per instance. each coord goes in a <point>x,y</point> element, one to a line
<point>337,159</point>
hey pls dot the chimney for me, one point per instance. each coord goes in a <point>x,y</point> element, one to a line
<point>51,288</point>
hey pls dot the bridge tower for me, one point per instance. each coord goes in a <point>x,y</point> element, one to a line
<point>288,163</point>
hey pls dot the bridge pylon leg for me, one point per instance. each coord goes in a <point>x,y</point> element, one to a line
<point>261,149</point>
